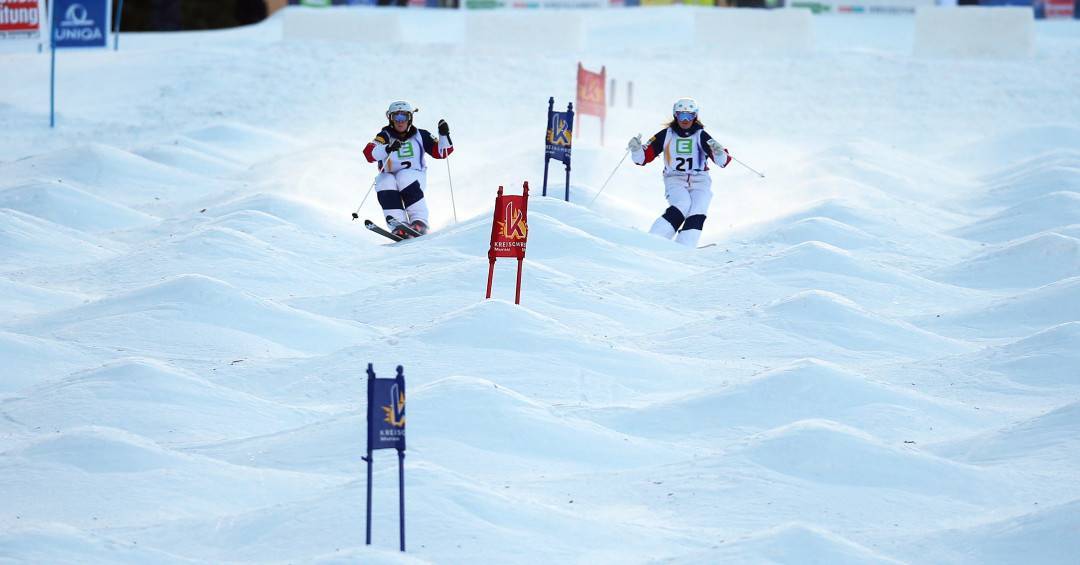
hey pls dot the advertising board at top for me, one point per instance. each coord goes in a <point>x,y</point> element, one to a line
<point>533,4</point>
<point>21,19</point>
<point>862,6</point>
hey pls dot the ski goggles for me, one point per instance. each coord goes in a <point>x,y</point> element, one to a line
<point>401,116</point>
<point>685,116</point>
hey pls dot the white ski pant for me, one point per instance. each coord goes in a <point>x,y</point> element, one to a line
<point>689,197</point>
<point>401,195</point>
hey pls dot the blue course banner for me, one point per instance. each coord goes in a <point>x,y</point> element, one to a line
<point>386,413</point>
<point>80,23</point>
<point>560,136</point>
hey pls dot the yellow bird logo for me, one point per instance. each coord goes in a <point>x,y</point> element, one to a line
<point>513,225</point>
<point>395,413</point>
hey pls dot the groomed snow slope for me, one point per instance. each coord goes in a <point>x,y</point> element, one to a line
<point>876,362</point>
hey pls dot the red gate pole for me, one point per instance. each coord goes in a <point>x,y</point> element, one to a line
<point>491,252</point>
<point>517,293</point>
<point>521,257</point>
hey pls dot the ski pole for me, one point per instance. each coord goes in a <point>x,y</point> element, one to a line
<point>733,158</point>
<point>453,206</point>
<point>603,186</point>
<point>356,214</point>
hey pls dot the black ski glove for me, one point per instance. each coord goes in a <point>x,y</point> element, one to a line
<point>393,146</point>
<point>443,128</point>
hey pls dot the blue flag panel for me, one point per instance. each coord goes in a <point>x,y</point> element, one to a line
<point>80,23</point>
<point>560,136</point>
<point>386,413</point>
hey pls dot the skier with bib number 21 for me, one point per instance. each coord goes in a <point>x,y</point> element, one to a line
<point>400,149</point>
<point>687,186</point>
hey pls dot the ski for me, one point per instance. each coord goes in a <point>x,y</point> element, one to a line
<point>394,224</point>
<point>707,245</point>
<point>371,226</point>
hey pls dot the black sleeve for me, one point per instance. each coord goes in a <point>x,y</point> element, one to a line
<point>430,142</point>
<point>705,137</point>
<point>656,142</point>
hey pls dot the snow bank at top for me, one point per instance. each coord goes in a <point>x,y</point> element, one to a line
<point>354,25</point>
<point>774,32</point>
<point>972,31</point>
<point>507,31</point>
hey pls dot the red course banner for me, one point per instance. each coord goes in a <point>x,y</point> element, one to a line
<point>509,234</point>
<point>510,228</point>
<point>591,96</point>
<point>19,19</point>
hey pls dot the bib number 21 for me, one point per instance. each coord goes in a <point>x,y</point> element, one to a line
<point>684,163</point>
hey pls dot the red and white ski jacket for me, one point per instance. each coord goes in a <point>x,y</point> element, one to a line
<point>685,151</point>
<point>415,145</point>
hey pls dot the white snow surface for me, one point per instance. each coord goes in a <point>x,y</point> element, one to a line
<point>875,363</point>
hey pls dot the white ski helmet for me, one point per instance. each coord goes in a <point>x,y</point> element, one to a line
<point>685,105</point>
<point>401,106</point>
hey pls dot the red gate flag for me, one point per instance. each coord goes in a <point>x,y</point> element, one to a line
<point>591,96</point>
<point>509,233</point>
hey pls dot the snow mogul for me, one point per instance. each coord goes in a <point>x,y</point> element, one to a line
<point>686,148</point>
<point>400,149</point>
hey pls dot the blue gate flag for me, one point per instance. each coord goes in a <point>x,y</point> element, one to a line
<point>386,412</point>
<point>560,135</point>
<point>80,23</point>
<point>559,141</point>
<point>386,429</point>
